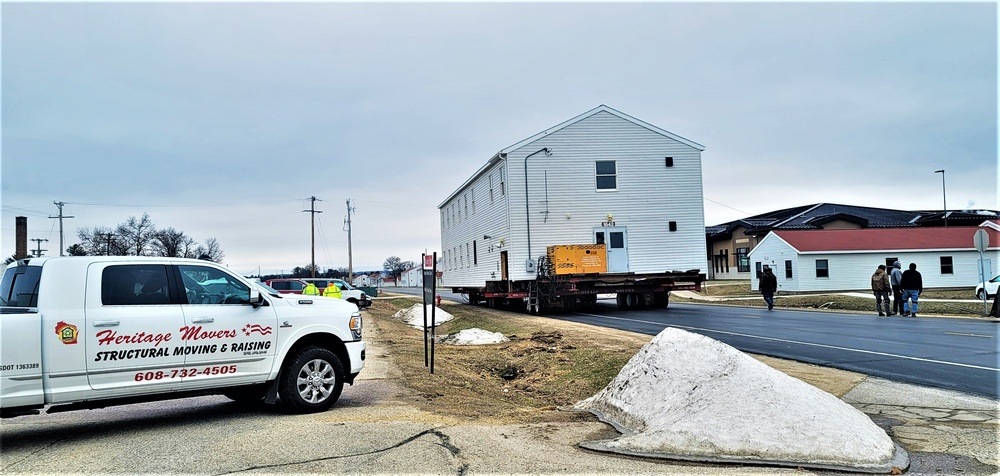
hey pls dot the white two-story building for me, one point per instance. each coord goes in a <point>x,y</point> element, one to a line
<point>600,177</point>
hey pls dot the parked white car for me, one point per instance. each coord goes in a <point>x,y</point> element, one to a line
<point>991,287</point>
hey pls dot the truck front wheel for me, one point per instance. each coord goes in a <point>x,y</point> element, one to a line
<point>312,381</point>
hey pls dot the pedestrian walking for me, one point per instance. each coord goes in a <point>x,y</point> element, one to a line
<point>912,284</point>
<point>768,286</point>
<point>881,288</point>
<point>895,276</point>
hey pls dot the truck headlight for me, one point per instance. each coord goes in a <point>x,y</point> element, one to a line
<point>356,325</point>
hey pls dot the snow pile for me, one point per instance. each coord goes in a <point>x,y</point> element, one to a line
<point>474,336</point>
<point>687,396</point>
<point>414,316</point>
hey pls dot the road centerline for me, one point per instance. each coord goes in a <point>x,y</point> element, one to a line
<point>813,344</point>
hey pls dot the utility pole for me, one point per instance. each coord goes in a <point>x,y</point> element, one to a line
<point>38,251</point>
<point>350,255</point>
<point>107,236</point>
<point>312,227</point>
<point>60,216</point>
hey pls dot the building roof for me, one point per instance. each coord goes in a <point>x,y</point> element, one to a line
<point>502,154</point>
<point>885,239</point>
<point>815,216</point>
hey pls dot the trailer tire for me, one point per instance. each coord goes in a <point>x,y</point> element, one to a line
<point>633,300</point>
<point>622,301</point>
<point>661,300</point>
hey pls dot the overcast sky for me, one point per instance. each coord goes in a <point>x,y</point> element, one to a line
<point>221,119</point>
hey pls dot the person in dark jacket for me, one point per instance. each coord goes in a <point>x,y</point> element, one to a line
<point>912,284</point>
<point>895,276</point>
<point>881,288</point>
<point>768,286</point>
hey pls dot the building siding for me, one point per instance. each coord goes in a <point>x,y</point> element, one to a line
<point>853,270</point>
<point>648,197</point>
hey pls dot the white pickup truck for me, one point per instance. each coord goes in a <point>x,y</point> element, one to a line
<point>91,332</point>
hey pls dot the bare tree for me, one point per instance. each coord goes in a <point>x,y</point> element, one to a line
<point>101,241</point>
<point>211,250</point>
<point>172,243</point>
<point>76,250</point>
<point>137,234</point>
<point>395,266</point>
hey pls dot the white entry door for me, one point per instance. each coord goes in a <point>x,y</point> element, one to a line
<point>615,239</point>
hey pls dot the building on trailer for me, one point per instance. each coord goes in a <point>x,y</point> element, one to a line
<point>840,260</point>
<point>602,177</point>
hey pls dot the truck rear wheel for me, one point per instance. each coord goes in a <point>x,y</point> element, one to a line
<point>311,381</point>
<point>661,300</point>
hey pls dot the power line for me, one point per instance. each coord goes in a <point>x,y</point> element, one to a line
<point>312,227</point>
<point>350,256</point>
<point>38,251</point>
<point>60,216</point>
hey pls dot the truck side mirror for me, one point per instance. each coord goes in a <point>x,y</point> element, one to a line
<point>255,298</point>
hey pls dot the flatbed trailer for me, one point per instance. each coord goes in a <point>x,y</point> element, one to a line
<point>563,292</point>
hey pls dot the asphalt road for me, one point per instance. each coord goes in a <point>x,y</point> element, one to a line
<point>955,354</point>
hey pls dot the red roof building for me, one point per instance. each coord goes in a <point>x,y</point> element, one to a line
<point>839,260</point>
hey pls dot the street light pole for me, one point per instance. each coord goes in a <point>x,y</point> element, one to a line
<point>944,197</point>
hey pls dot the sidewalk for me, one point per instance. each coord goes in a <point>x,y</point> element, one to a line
<point>944,432</point>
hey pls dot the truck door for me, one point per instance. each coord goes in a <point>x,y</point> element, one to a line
<point>133,320</point>
<point>21,339</point>
<point>227,338</point>
<point>616,240</point>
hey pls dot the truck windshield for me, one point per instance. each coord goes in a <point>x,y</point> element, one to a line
<point>19,287</point>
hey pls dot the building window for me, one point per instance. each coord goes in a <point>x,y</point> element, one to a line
<point>743,260</point>
<point>607,175</point>
<point>503,189</point>
<point>788,269</point>
<point>465,199</point>
<point>822,268</point>
<point>946,266</point>
<point>472,193</point>
<point>442,220</point>
<point>491,188</point>
<point>889,263</point>
<point>475,255</point>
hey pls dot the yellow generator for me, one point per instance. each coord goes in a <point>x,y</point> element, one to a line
<point>577,259</point>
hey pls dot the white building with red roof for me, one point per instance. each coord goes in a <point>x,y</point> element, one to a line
<point>841,260</point>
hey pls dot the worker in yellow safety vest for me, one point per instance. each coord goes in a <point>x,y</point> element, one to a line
<point>332,290</point>
<point>310,290</point>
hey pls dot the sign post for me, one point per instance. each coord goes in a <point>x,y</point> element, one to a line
<point>981,240</point>
<point>430,288</point>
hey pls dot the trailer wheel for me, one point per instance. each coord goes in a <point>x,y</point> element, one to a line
<point>622,301</point>
<point>634,300</point>
<point>661,300</point>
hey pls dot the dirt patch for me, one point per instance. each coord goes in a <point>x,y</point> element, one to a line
<point>546,364</point>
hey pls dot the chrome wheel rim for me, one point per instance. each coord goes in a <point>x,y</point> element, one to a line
<point>315,381</point>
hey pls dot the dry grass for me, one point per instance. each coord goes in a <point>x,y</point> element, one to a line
<point>837,302</point>
<point>547,364</point>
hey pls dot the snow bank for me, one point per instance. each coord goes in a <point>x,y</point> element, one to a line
<point>687,396</point>
<point>414,316</point>
<point>474,336</point>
